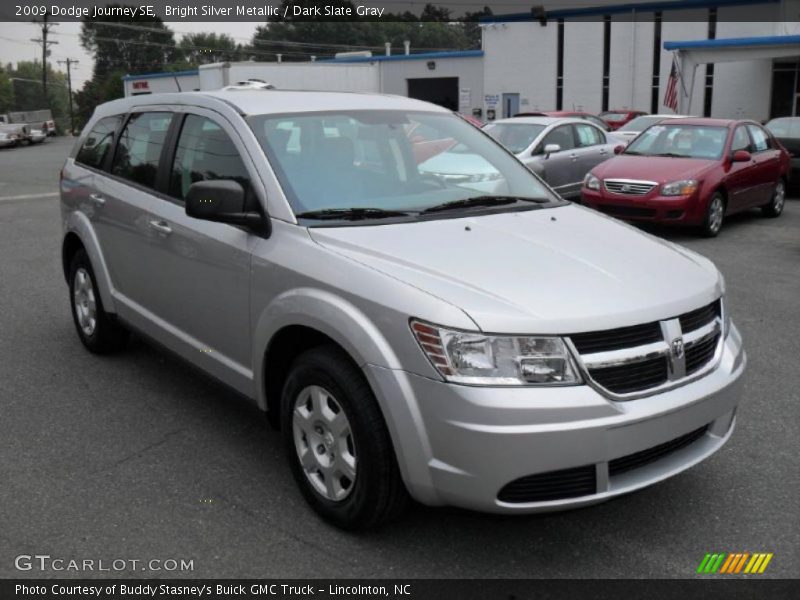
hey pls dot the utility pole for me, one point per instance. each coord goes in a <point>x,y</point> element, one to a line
<point>45,27</point>
<point>69,62</point>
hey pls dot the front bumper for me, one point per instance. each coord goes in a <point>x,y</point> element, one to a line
<point>677,210</point>
<point>460,445</point>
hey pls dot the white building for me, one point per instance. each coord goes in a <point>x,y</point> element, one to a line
<point>617,56</point>
<point>452,79</point>
<point>608,56</point>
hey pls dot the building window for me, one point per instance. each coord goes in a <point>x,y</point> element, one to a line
<point>560,66</point>
<point>709,87</point>
<point>656,63</point>
<point>606,58</point>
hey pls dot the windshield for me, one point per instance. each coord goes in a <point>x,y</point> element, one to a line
<point>614,117</point>
<point>640,123</point>
<point>681,141</point>
<point>514,136</point>
<point>375,163</point>
<point>785,128</point>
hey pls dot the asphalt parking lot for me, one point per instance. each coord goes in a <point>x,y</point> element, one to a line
<point>138,457</point>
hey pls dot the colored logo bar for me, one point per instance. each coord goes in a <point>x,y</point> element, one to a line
<point>734,563</point>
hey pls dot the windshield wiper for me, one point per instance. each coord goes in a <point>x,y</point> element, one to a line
<point>351,214</point>
<point>672,155</point>
<point>481,201</point>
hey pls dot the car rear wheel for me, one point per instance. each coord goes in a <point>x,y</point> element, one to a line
<point>337,442</point>
<point>775,206</point>
<point>715,215</point>
<point>99,331</point>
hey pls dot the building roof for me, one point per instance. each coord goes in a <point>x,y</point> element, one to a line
<point>744,42</point>
<point>611,9</point>
<point>399,57</point>
<point>187,73</point>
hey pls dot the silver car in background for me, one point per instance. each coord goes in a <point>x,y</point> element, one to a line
<point>470,340</point>
<point>560,151</point>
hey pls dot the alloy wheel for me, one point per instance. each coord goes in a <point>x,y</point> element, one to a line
<point>323,440</point>
<point>85,304</point>
<point>716,212</point>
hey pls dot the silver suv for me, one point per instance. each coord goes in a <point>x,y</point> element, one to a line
<point>469,339</point>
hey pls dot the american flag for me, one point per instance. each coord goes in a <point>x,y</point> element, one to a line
<point>671,95</point>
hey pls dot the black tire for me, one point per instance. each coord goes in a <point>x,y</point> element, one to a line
<point>713,222</point>
<point>378,494</point>
<point>774,207</point>
<point>107,335</point>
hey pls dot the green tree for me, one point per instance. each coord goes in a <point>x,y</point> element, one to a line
<point>26,90</point>
<point>204,48</point>
<point>296,38</point>
<point>6,92</point>
<point>130,44</point>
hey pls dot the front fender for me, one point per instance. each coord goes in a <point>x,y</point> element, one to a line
<point>328,313</point>
<point>354,331</point>
<point>78,223</point>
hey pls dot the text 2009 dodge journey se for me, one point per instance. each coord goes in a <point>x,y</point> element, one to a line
<point>464,338</point>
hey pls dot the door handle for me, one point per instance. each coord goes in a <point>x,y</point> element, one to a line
<point>97,199</point>
<point>161,226</point>
<point>574,157</point>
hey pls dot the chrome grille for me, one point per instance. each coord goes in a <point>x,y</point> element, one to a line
<point>630,187</point>
<point>630,362</point>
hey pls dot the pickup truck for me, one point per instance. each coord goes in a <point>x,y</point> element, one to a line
<point>34,119</point>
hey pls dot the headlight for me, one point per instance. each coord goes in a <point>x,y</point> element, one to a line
<point>726,318</point>
<point>684,187</point>
<point>478,359</point>
<point>590,182</point>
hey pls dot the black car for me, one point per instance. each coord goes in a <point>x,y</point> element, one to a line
<point>787,130</point>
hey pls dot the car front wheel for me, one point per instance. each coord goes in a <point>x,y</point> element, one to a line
<point>715,214</point>
<point>337,442</point>
<point>775,206</point>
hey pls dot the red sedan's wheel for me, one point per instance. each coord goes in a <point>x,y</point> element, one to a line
<point>777,202</point>
<point>715,215</point>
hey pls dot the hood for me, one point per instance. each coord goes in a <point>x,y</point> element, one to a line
<point>560,270</point>
<point>661,169</point>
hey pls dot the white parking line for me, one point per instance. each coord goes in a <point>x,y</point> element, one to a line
<point>29,196</point>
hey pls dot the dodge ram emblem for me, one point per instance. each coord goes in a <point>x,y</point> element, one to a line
<point>677,348</point>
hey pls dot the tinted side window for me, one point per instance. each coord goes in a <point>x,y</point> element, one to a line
<point>588,136</point>
<point>741,141</point>
<point>95,148</point>
<point>760,139</point>
<point>562,136</point>
<point>139,147</point>
<point>204,152</point>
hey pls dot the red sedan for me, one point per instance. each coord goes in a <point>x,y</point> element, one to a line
<point>692,172</point>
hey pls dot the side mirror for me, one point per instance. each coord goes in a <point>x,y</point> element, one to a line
<point>741,156</point>
<point>619,149</point>
<point>550,149</point>
<point>222,201</point>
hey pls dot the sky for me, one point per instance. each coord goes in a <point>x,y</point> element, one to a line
<point>15,44</point>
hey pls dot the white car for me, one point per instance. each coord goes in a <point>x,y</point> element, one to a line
<point>7,140</point>
<point>634,127</point>
<point>37,136</point>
